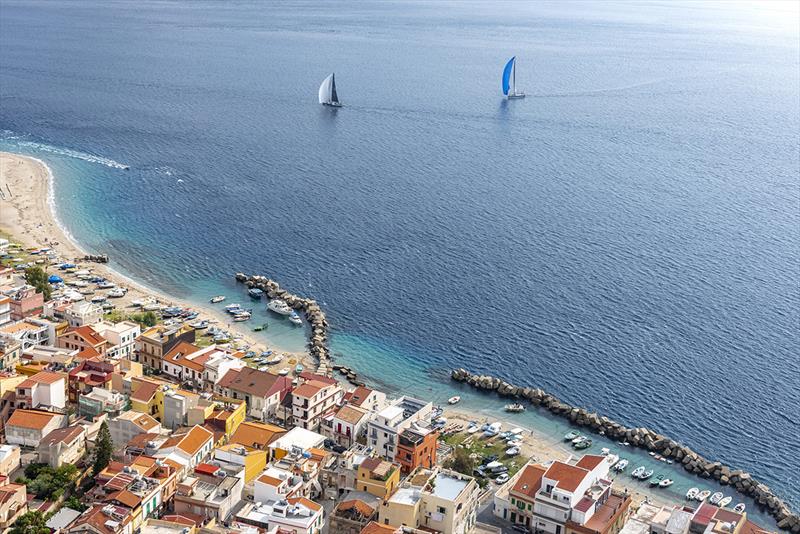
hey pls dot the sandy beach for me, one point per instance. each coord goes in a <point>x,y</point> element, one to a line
<point>27,214</point>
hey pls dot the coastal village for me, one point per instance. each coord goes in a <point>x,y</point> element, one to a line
<point>125,415</point>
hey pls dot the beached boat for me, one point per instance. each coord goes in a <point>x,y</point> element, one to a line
<point>493,429</point>
<point>274,360</point>
<point>117,293</point>
<point>295,318</point>
<point>703,495</point>
<point>105,284</point>
<point>513,451</point>
<point>509,81</point>
<point>725,501</point>
<point>514,443</point>
<point>153,306</point>
<point>454,400</point>
<point>137,303</point>
<point>714,499</point>
<point>279,306</point>
<point>639,471</point>
<point>621,465</point>
<point>572,434</point>
<point>585,444</point>
<point>99,299</point>
<point>327,92</point>
<point>472,429</point>
<point>217,299</point>
<point>285,371</point>
<point>515,408</point>
<point>665,483</point>
<point>255,293</point>
<point>692,493</point>
<point>739,508</point>
<point>298,368</point>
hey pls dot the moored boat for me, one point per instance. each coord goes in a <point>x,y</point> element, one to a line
<point>739,508</point>
<point>572,434</point>
<point>639,471</point>
<point>255,293</point>
<point>692,493</point>
<point>656,480</point>
<point>714,499</point>
<point>260,327</point>
<point>454,400</point>
<point>295,318</point>
<point>647,474</point>
<point>665,483</point>
<point>218,298</point>
<point>621,465</point>
<point>725,501</point>
<point>515,408</point>
<point>703,495</point>
<point>583,444</point>
<point>279,306</point>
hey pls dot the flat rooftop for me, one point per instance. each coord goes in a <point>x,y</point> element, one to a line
<point>448,487</point>
<point>408,496</point>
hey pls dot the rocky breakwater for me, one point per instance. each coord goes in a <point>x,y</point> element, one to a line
<point>644,438</point>
<point>318,336</point>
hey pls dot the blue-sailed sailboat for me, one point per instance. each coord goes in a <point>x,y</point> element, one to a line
<point>510,80</point>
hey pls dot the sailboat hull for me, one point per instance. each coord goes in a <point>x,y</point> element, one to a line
<point>332,104</point>
<point>515,96</point>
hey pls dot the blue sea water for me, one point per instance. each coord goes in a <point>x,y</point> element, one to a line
<point>627,237</point>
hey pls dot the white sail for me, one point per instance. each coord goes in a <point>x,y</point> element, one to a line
<point>326,90</point>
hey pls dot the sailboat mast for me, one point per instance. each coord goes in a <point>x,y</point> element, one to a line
<point>514,77</point>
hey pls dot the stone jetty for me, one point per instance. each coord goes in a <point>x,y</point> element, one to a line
<point>318,337</point>
<point>96,258</point>
<point>647,439</point>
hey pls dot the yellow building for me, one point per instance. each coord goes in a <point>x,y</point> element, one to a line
<point>256,435</point>
<point>144,398</point>
<point>221,413</point>
<point>378,477</point>
<point>253,460</point>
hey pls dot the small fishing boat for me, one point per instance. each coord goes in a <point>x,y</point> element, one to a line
<point>255,293</point>
<point>105,284</point>
<point>513,451</point>
<point>665,483</point>
<point>285,371</point>
<point>137,303</point>
<point>703,495</point>
<point>572,434</point>
<point>240,318</point>
<point>714,499</point>
<point>639,471</point>
<point>493,429</point>
<point>454,400</point>
<point>232,307</point>
<point>515,408</point>
<point>217,299</point>
<point>260,327</point>
<point>117,293</point>
<point>621,465</point>
<point>647,474</point>
<point>605,451</point>
<point>585,444</point>
<point>612,459</point>
<point>99,299</point>
<point>692,493</point>
<point>327,92</point>
<point>578,439</point>
<point>509,82</point>
<point>279,306</point>
<point>153,306</point>
<point>656,480</point>
<point>739,508</point>
<point>274,360</point>
<point>295,318</point>
<point>725,502</point>
<point>514,442</point>
<point>298,368</point>
<point>472,429</point>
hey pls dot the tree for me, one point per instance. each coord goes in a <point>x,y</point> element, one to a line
<point>145,319</point>
<point>102,449</point>
<point>461,461</point>
<point>37,277</point>
<point>31,523</point>
<point>75,503</point>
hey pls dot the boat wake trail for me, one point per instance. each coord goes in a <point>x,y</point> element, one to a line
<point>67,152</point>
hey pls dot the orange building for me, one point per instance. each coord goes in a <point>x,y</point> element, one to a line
<point>416,448</point>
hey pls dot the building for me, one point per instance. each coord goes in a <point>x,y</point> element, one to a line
<point>253,461</point>
<point>9,459</point>
<point>100,401</point>
<point>297,439</point>
<point>188,448</point>
<point>103,519</point>
<point>13,502</point>
<point>129,424</point>
<point>10,351</point>
<point>297,515</point>
<point>85,340</point>
<point>153,343</point>
<point>25,302</point>
<point>351,515</point>
<point>437,499</point>
<point>262,391</point>
<point>207,495</point>
<point>121,337</point>
<point>564,498</point>
<point>62,519</point>
<point>62,446</point>
<point>378,477</point>
<point>89,375</point>
<point>5,310</point>
<point>220,414</point>
<point>314,398</point>
<point>44,389</point>
<point>383,431</point>
<point>416,447</point>
<point>368,399</point>
<point>31,331</point>
<point>27,427</point>
<point>345,425</point>
<point>257,435</point>
<point>82,313</point>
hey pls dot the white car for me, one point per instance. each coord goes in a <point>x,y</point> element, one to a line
<point>502,479</point>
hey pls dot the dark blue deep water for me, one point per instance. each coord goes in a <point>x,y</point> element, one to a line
<point>627,237</point>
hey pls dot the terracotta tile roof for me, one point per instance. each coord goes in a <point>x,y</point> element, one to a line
<point>87,353</point>
<point>193,441</point>
<point>567,477</point>
<point>270,481</point>
<point>88,334</point>
<point>254,382</point>
<point>308,375</point>
<point>145,391</point>
<point>124,497</point>
<point>584,504</point>
<point>257,435</point>
<point>305,502</point>
<point>355,504</point>
<point>307,390</point>
<point>46,377</point>
<point>178,356</point>
<point>350,414</point>
<point>590,461</point>
<point>32,419</point>
<point>370,464</point>
<point>529,481</point>
<point>373,527</point>
<point>360,395</point>
<point>62,435</point>
<point>96,519</point>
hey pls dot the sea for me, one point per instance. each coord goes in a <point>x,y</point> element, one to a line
<point>626,237</point>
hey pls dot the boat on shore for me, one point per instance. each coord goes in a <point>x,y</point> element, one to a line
<point>279,306</point>
<point>116,293</point>
<point>285,371</point>
<point>513,451</point>
<point>217,299</point>
<point>515,408</point>
<point>199,325</point>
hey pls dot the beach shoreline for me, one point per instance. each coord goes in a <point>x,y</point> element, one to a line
<point>30,215</point>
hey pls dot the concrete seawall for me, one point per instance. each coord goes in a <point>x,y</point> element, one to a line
<point>646,439</point>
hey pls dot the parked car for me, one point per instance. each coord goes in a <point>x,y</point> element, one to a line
<point>502,479</point>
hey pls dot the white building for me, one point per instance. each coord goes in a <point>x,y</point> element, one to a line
<point>385,428</point>
<point>5,310</point>
<point>43,389</point>
<point>313,399</point>
<point>298,515</point>
<point>31,332</point>
<point>82,313</point>
<point>121,337</point>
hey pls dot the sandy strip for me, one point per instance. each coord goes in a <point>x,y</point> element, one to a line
<point>27,213</point>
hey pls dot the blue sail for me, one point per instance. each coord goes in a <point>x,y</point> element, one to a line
<point>507,74</point>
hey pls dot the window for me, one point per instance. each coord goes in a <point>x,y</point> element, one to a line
<point>441,509</point>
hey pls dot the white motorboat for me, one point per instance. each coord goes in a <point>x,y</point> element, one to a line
<point>279,306</point>
<point>665,483</point>
<point>703,495</point>
<point>274,360</point>
<point>739,508</point>
<point>472,429</point>
<point>515,408</point>
<point>692,493</point>
<point>99,299</point>
<point>621,465</point>
<point>513,451</point>
<point>638,472</point>
<point>285,371</point>
<point>116,293</point>
<point>725,501</point>
<point>493,429</point>
<point>714,499</point>
<point>454,400</point>
<point>137,303</point>
<point>218,298</point>
<point>612,459</point>
<point>295,318</point>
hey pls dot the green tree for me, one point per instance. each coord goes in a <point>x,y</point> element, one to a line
<point>146,319</point>
<point>37,277</point>
<point>461,461</point>
<point>102,449</point>
<point>75,503</point>
<point>31,523</point>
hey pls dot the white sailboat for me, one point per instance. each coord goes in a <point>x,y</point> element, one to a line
<point>327,92</point>
<point>510,80</point>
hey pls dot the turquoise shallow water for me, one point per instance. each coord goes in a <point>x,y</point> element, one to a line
<point>626,237</point>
